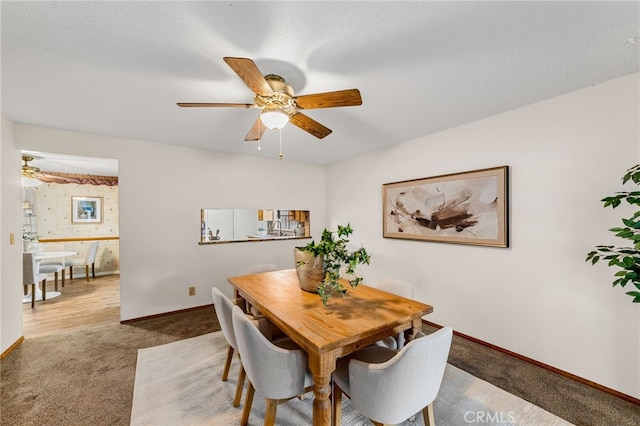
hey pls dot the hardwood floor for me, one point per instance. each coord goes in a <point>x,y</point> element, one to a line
<point>81,305</point>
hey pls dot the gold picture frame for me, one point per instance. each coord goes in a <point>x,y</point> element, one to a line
<point>86,209</point>
<point>462,208</point>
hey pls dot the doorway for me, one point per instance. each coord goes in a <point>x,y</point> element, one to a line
<point>48,213</point>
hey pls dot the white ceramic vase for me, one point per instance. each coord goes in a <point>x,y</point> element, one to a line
<point>310,270</point>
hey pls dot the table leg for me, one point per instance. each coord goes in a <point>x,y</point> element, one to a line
<point>416,326</point>
<point>41,288</point>
<point>37,293</point>
<point>322,366</point>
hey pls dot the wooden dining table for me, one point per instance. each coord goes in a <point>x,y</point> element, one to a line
<point>326,333</point>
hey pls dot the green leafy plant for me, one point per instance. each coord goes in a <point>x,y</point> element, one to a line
<point>335,256</point>
<point>625,258</point>
<point>30,235</point>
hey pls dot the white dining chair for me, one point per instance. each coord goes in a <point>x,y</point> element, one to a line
<point>388,387</point>
<point>56,266</point>
<point>275,372</point>
<point>89,260</point>
<point>52,268</point>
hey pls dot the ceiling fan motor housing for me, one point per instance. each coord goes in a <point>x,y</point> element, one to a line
<point>282,97</point>
<point>28,170</point>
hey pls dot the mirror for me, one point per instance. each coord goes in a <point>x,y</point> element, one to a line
<point>235,225</point>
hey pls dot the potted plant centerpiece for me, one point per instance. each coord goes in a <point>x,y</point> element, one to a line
<point>318,265</point>
<point>30,241</point>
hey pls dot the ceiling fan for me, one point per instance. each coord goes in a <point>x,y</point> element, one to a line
<point>32,176</point>
<point>277,102</point>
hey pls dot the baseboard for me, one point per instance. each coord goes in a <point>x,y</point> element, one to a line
<point>558,371</point>
<point>79,273</point>
<point>164,314</point>
<point>12,347</point>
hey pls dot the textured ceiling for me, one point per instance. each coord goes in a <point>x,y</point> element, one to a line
<point>118,68</point>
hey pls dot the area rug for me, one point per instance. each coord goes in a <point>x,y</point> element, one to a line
<point>179,384</point>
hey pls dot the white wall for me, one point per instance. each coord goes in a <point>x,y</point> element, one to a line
<point>538,298</point>
<point>52,221</point>
<point>10,254</point>
<point>162,189</point>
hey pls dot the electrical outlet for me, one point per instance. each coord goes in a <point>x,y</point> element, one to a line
<point>192,291</point>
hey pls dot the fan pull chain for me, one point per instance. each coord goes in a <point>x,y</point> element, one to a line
<point>280,153</point>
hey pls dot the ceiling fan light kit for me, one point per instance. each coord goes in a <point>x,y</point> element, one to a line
<point>274,118</point>
<point>277,102</point>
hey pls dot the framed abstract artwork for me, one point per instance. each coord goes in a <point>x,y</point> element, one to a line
<point>86,209</point>
<point>463,208</point>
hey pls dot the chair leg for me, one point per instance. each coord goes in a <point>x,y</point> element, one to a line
<point>336,405</point>
<point>33,295</point>
<point>55,286</point>
<point>93,270</point>
<point>270,415</point>
<point>44,289</point>
<point>239,386</point>
<point>247,405</point>
<point>227,364</point>
<point>427,413</point>
<point>86,271</point>
<point>71,273</point>
<point>62,277</point>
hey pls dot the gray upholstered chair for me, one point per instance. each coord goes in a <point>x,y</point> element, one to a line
<point>256,269</point>
<point>31,276</point>
<point>223,307</point>
<point>276,373</point>
<point>401,288</point>
<point>273,332</point>
<point>265,267</point>
<point>388,387</point>
<point>89,260</point>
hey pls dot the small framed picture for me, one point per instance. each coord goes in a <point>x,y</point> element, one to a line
<point>86,209</point>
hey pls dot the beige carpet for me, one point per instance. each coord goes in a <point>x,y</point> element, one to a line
<point>179,384</point>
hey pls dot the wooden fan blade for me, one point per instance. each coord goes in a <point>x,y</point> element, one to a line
<point>257,130</point>
<point>55,178</point>
<point>207,104</point>
<point>310,125</point>
<point>339,98</point>
<point>250,74</point>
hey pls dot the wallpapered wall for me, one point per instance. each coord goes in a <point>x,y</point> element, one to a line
<point>53,209</point>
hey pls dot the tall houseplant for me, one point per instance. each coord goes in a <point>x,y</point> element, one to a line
<point>627,259</point>
<point>323,261</point>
